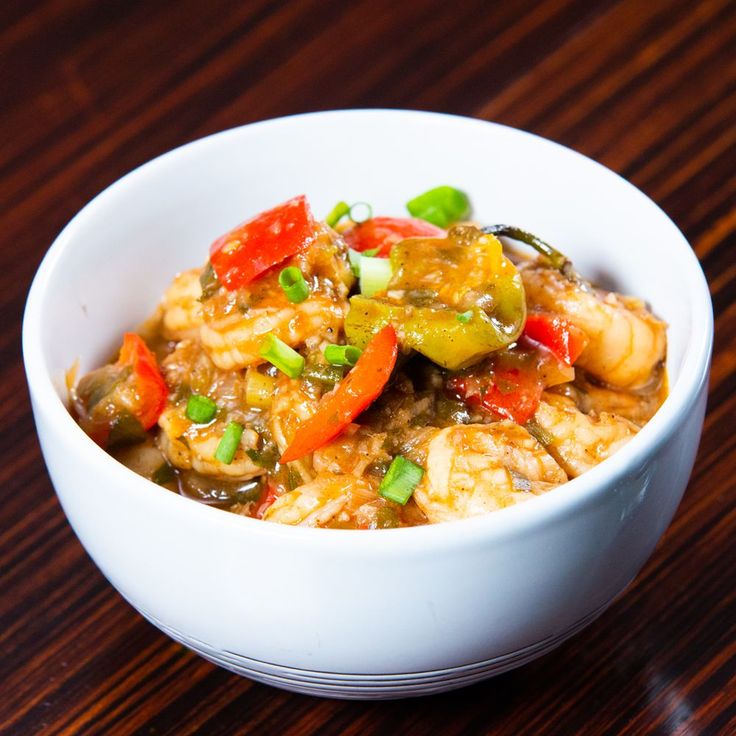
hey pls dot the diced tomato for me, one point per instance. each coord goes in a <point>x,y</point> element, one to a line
<point>268,496</point>
<point>383,232</point>
<point>150,386</point>
<point>339,408</point>
<point>253,247</point>
<point>558,334</point>
<point>510,393</point>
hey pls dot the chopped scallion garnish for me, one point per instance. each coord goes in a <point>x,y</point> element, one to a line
<point>228,445</point>
<point>291,280</point>
<point>441,206</point>
<point>375,274</point>
<point>464,317</point>
<point>342,354</point>
<point>337,213</point>
<point>278,353</point>
<point>401,478</point>
<point>360,212</point>
<point>354,257</point>
<point>201,409</point>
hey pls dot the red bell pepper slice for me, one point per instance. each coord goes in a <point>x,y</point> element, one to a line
<point>269,494</point>
<point>383,232</point>
<point>339,408</point>
<point>150,386</point>
<point>250,249</point>
<point>511,393</point>
<point>562,337</point>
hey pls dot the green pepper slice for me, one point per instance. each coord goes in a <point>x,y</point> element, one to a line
<point>454,299</point>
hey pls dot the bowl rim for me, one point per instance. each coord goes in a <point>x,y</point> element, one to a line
<point>578,493</point>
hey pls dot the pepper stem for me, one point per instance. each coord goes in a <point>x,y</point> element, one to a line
<point>557,260</point>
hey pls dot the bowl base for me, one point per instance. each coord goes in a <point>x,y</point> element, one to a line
<point>369,686</point>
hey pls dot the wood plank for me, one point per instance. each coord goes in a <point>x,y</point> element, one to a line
<point>91,90</point>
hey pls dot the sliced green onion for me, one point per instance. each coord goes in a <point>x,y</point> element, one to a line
<point>402,477</point>
<point>361,205</point>
<point>342,354</point>
<point>258,388</point>
<point>354,257</point>
<point>201,409</point>
<point>291,280</point>
<point>464,317</point>
<point>337,213</point>
<point>229,443</point>
<point>375,273</point>
<point>441,206</point>
<point>278,353</point>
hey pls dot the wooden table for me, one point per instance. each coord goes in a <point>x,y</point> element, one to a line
<point>91,89</point>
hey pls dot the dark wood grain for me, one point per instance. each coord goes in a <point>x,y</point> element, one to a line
<point>91,89</point>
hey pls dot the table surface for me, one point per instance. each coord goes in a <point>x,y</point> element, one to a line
<point>90,90</point>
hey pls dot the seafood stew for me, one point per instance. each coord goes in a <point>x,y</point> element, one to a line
<point>375,372</point>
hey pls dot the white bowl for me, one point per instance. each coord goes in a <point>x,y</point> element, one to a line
<point>359,614</point>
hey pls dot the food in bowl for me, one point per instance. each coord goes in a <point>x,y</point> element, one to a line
<point>376,372</point>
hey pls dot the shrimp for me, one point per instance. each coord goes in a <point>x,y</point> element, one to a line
<point>235,323</point>
<point>352,452</point>
<point>636,406</point>
<point>234,341</point>
<point>328,499</point>
<point>187,445</point>
<point>188,369</point>
<point>578,442</point>
<point>626,341</point>
<point>294,401</point>
<point>190,446</point>
<point>181,309</point>
<point>478,468</point>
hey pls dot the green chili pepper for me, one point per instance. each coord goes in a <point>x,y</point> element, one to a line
<point>476,307</point>
<point>557,260</point>
<point>435,332</point>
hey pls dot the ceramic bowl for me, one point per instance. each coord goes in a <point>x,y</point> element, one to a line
<point>360,614</point>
